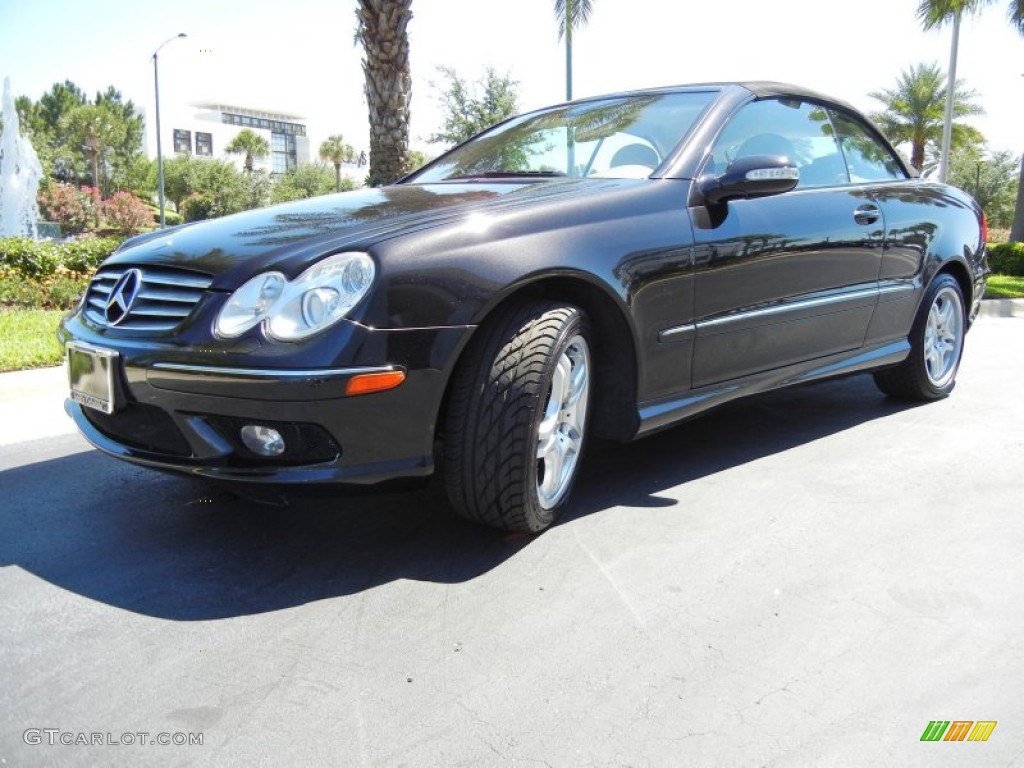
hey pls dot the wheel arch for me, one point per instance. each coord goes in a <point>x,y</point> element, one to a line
<point>959,272</point>
<point>616,366</point>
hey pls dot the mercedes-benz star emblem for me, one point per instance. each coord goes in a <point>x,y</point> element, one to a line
<point>123,296</point>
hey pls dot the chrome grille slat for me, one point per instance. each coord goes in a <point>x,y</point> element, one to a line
<point>165,298</point>
<point>190,281</point>
<point>163,294</point>
<point>131,325</point>
<point>138,311</point>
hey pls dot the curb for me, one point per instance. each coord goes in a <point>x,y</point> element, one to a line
<point>1002,308</point>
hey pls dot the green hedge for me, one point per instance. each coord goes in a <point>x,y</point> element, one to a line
<point>37,259</point>
<point>1006,258</point>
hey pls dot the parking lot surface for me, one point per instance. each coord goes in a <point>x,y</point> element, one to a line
<point>805,578</point>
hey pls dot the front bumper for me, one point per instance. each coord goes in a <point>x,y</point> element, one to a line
<point>185,415</point>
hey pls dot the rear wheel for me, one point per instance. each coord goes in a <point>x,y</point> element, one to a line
<point>936,345</point>
<point>517,416</point>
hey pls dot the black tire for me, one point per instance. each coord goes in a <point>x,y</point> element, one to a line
<point>936,346</point>
<point>501,399</point>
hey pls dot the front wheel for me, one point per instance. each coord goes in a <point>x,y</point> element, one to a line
<point>936,345</point>
<point>517,416</point>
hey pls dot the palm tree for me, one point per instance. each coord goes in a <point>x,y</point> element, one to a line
<point>249,143</point>
<point>913,111</point>
<point>571,15</point>
<point>383,30</point>
<point>95,129</point>
<point>933,13</point>
<point>334,150</point>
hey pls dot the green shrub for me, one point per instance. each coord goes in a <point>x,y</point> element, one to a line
<point>197,207</point>
<point>39,259</point>
<point>85,254</point>
<point>18,292</point>
<point>65,291</point>
<point>27,257</point>
<point>1006,258</point>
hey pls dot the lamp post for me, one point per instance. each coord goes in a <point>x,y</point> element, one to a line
<point>947,123</point>
<point>159,154</point>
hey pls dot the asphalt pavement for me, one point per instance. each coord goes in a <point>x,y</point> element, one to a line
<point>809,577</point>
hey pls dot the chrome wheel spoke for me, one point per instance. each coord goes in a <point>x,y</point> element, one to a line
<point>547,432</point>
<point>943,337</point>
<point>561,428</point>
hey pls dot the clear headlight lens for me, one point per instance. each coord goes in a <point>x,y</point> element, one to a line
<point>296,309</point>
<point>248,306</point>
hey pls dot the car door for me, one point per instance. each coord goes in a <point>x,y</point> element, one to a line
<point>912,220</point>
<point>790,277</point>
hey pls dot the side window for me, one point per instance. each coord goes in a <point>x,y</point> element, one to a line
<point>800,130</point>
<point>868,158</point>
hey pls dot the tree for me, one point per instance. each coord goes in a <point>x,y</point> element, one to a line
<point>571,15</point>
<point>414,160</point>
<point>58,101</point>
<point>334,150</point>
<point>218,182</point>
<point>308,180</point>
<point>249,143</point>
<point>126,154</point>
<point>1017,229</point>
<point>95,130</point>
<point>99,141</point>
<point>935,13</point>
<point>382,27</point>
<point>471,108</point>
<point>914,110</point>
<point>992,181</point>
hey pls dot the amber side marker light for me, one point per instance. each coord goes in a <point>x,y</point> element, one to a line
<point>365,383</point>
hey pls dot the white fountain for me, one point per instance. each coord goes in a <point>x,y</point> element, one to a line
<point>20,173</point>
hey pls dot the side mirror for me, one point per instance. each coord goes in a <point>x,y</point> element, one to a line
<point>753,176</point>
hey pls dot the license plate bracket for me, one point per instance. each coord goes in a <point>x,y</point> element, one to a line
<point>91,373</point>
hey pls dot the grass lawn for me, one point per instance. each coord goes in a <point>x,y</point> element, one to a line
<point>1004,287</point>
<point>28,340</point>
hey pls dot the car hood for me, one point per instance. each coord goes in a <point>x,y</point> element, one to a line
<point>291,236</point>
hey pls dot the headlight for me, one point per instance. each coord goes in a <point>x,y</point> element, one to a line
<point>248,305</point>
<point>293,310</point>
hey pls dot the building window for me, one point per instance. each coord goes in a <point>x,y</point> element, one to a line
<point>204,144</point>
<point>283,154</point>
<point>274,126</point>
<point>182,141</point>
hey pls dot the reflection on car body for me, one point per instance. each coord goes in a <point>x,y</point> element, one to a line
<point>606,267</point>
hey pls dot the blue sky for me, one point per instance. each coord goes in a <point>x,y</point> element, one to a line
<point>298,56</point>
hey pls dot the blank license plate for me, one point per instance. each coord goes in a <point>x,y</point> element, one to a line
<point>91,376</point>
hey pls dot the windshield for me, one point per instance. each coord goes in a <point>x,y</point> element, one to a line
<point>622,137</point>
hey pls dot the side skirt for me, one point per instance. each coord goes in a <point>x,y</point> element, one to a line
<point>665,413</point>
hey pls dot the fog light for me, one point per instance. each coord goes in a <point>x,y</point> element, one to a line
<point>262,440</point>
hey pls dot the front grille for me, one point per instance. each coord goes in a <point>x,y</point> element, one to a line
<point>164,298</point>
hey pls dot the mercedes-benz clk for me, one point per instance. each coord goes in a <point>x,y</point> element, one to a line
<point>603,268</point>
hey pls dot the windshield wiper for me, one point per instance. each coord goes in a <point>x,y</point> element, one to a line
<point>509,175</point>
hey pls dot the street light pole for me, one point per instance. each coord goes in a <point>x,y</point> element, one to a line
<point>159,153</point>
<point>947,125</point>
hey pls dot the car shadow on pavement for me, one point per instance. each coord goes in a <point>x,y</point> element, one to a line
<point>181,549</point>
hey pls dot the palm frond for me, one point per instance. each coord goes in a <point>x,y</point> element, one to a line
<point>579,14</point>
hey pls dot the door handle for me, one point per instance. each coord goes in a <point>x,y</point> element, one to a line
<point>867,214</point>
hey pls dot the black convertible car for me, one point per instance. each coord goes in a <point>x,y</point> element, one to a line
<point>606,267</point>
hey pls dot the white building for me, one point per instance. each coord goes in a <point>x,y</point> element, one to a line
<point>204,130</point>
